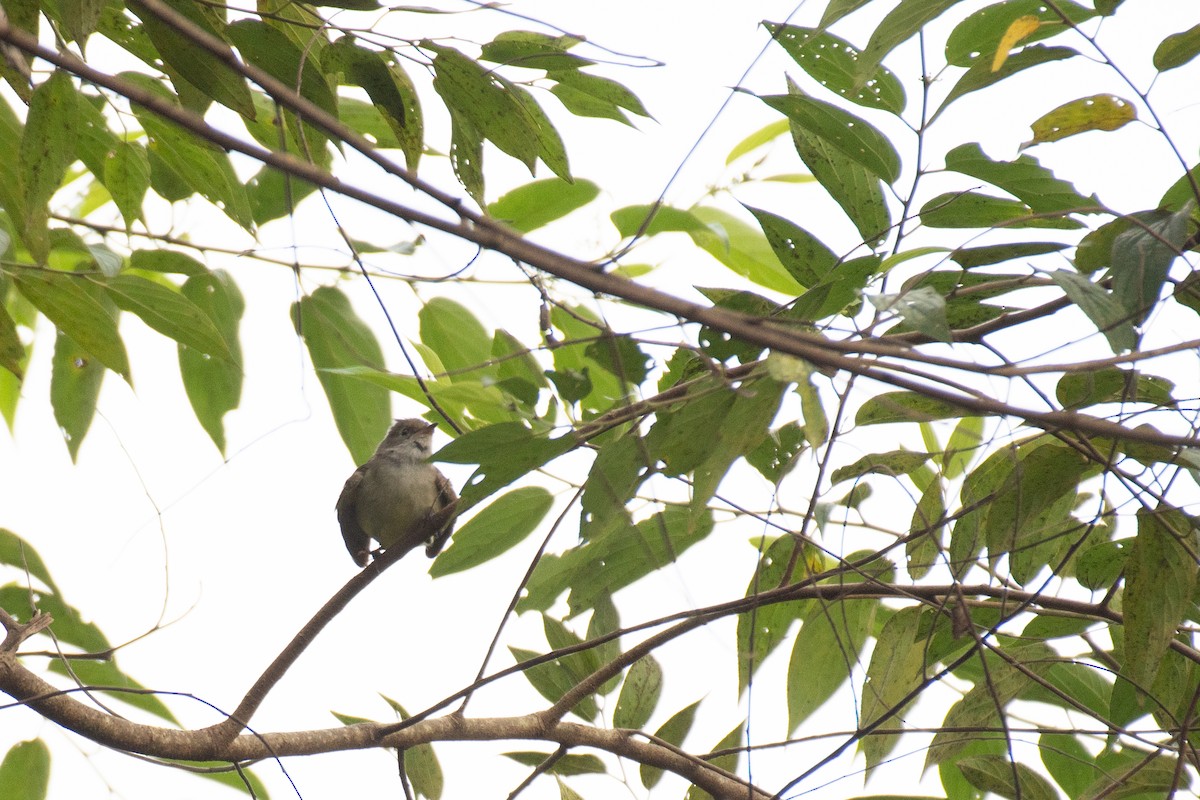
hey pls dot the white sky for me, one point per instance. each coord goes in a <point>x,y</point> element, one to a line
<point>251,544</point>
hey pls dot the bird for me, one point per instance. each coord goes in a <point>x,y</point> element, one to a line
<point>397,496</point>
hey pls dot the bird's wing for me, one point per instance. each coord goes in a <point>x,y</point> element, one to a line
<point>446,497</point>
<point>358,542</point>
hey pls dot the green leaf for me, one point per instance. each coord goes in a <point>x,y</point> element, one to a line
<point>928,522</point>
<point>552,680</point>
<point>980,75</point>
<point>337,337</point>
<point>732,742</point>
<point>74,387</point>
<point>214,385</point>
<point>127,177</point>
<point>804,256</point>
<point>107,674</point>
<point>833,63</point>
<point>1160,576</point>
<point>1113,385</point>
<point>1025,179</point>
<point>825,654</point>
<point>1000,776</point>
<point>460,341</point>
<point>976,39</point>
<point>1109,316</point>
<point>171,261</point>
<point>1068,762</point>
<point>504,452</point>
<point>204,72</point>
<point>169,312</point>
<point>68,624</point>
<point>270,49</point>
<point>977,210</point>
<point>18,553</point>
<point>639,694</point>
<point>490,104</point>
<point>533,50</point>
<point>533,205</point>
<point>852,186</point>
<point>852,136</point>
<point>420,763</point>
<point>922,309</point>
<point>742,248</point>
<point>1177,49</point>
<point>1100,112</point>
<point>47,149</point>
<point>390,88</point>
<point>896,668</point>
<point>900,24</point>
<point>12,351</point>
<point>971,257</point>
<point>632,220</point>
<point>80,310</point>
<point>1132,777</point>
<point>587,95</point>
<point>25,771</point>
<point>761,630</point>
<point>499,527</point>
<point>905,407</point>
<point>194,166</point>
<point>894,463</point>
<point>569,764</point>
<point>673,731</point>
<point>614,559</point>
<point>767,133</point>
<point>1142,254</point>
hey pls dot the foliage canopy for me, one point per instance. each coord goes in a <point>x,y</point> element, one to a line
<point>955,425</point>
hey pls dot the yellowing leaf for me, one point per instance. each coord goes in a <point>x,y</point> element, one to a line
<point>1018,30</point>
<point>1101,112</point>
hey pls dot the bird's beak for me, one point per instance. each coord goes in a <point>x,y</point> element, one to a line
<point>432,425</point>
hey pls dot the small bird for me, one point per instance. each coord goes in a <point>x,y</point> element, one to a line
<point>396,495</point>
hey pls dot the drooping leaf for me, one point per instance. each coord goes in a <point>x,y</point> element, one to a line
<point>1109,316</point>
<point>25,771</point>
<point>127,177</point>
<point>460,341</point>
<point>1112,385</point>
<point>922,309</point>
<point>639,694</point>
<point>594,96</point>
<point>896,668</point>
<point>569,764</point>
<point>81,310</point>
<point>198,66</point>
<point>998,775</point>
<point>74,387</point>
<point>804,256</point>
<point>552,679</point>
<point>833,62</point>
<point>850,135</point>
<point>391,91</point>
<point>673,731</point>
<point>1142,254</point>
<point>47,149</point>
<point>337,337</point>
<point>825,654</point>
<point>214,385</point>
<point>169,312</point>
<point>1160,576</point>
<point>980,75</point>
